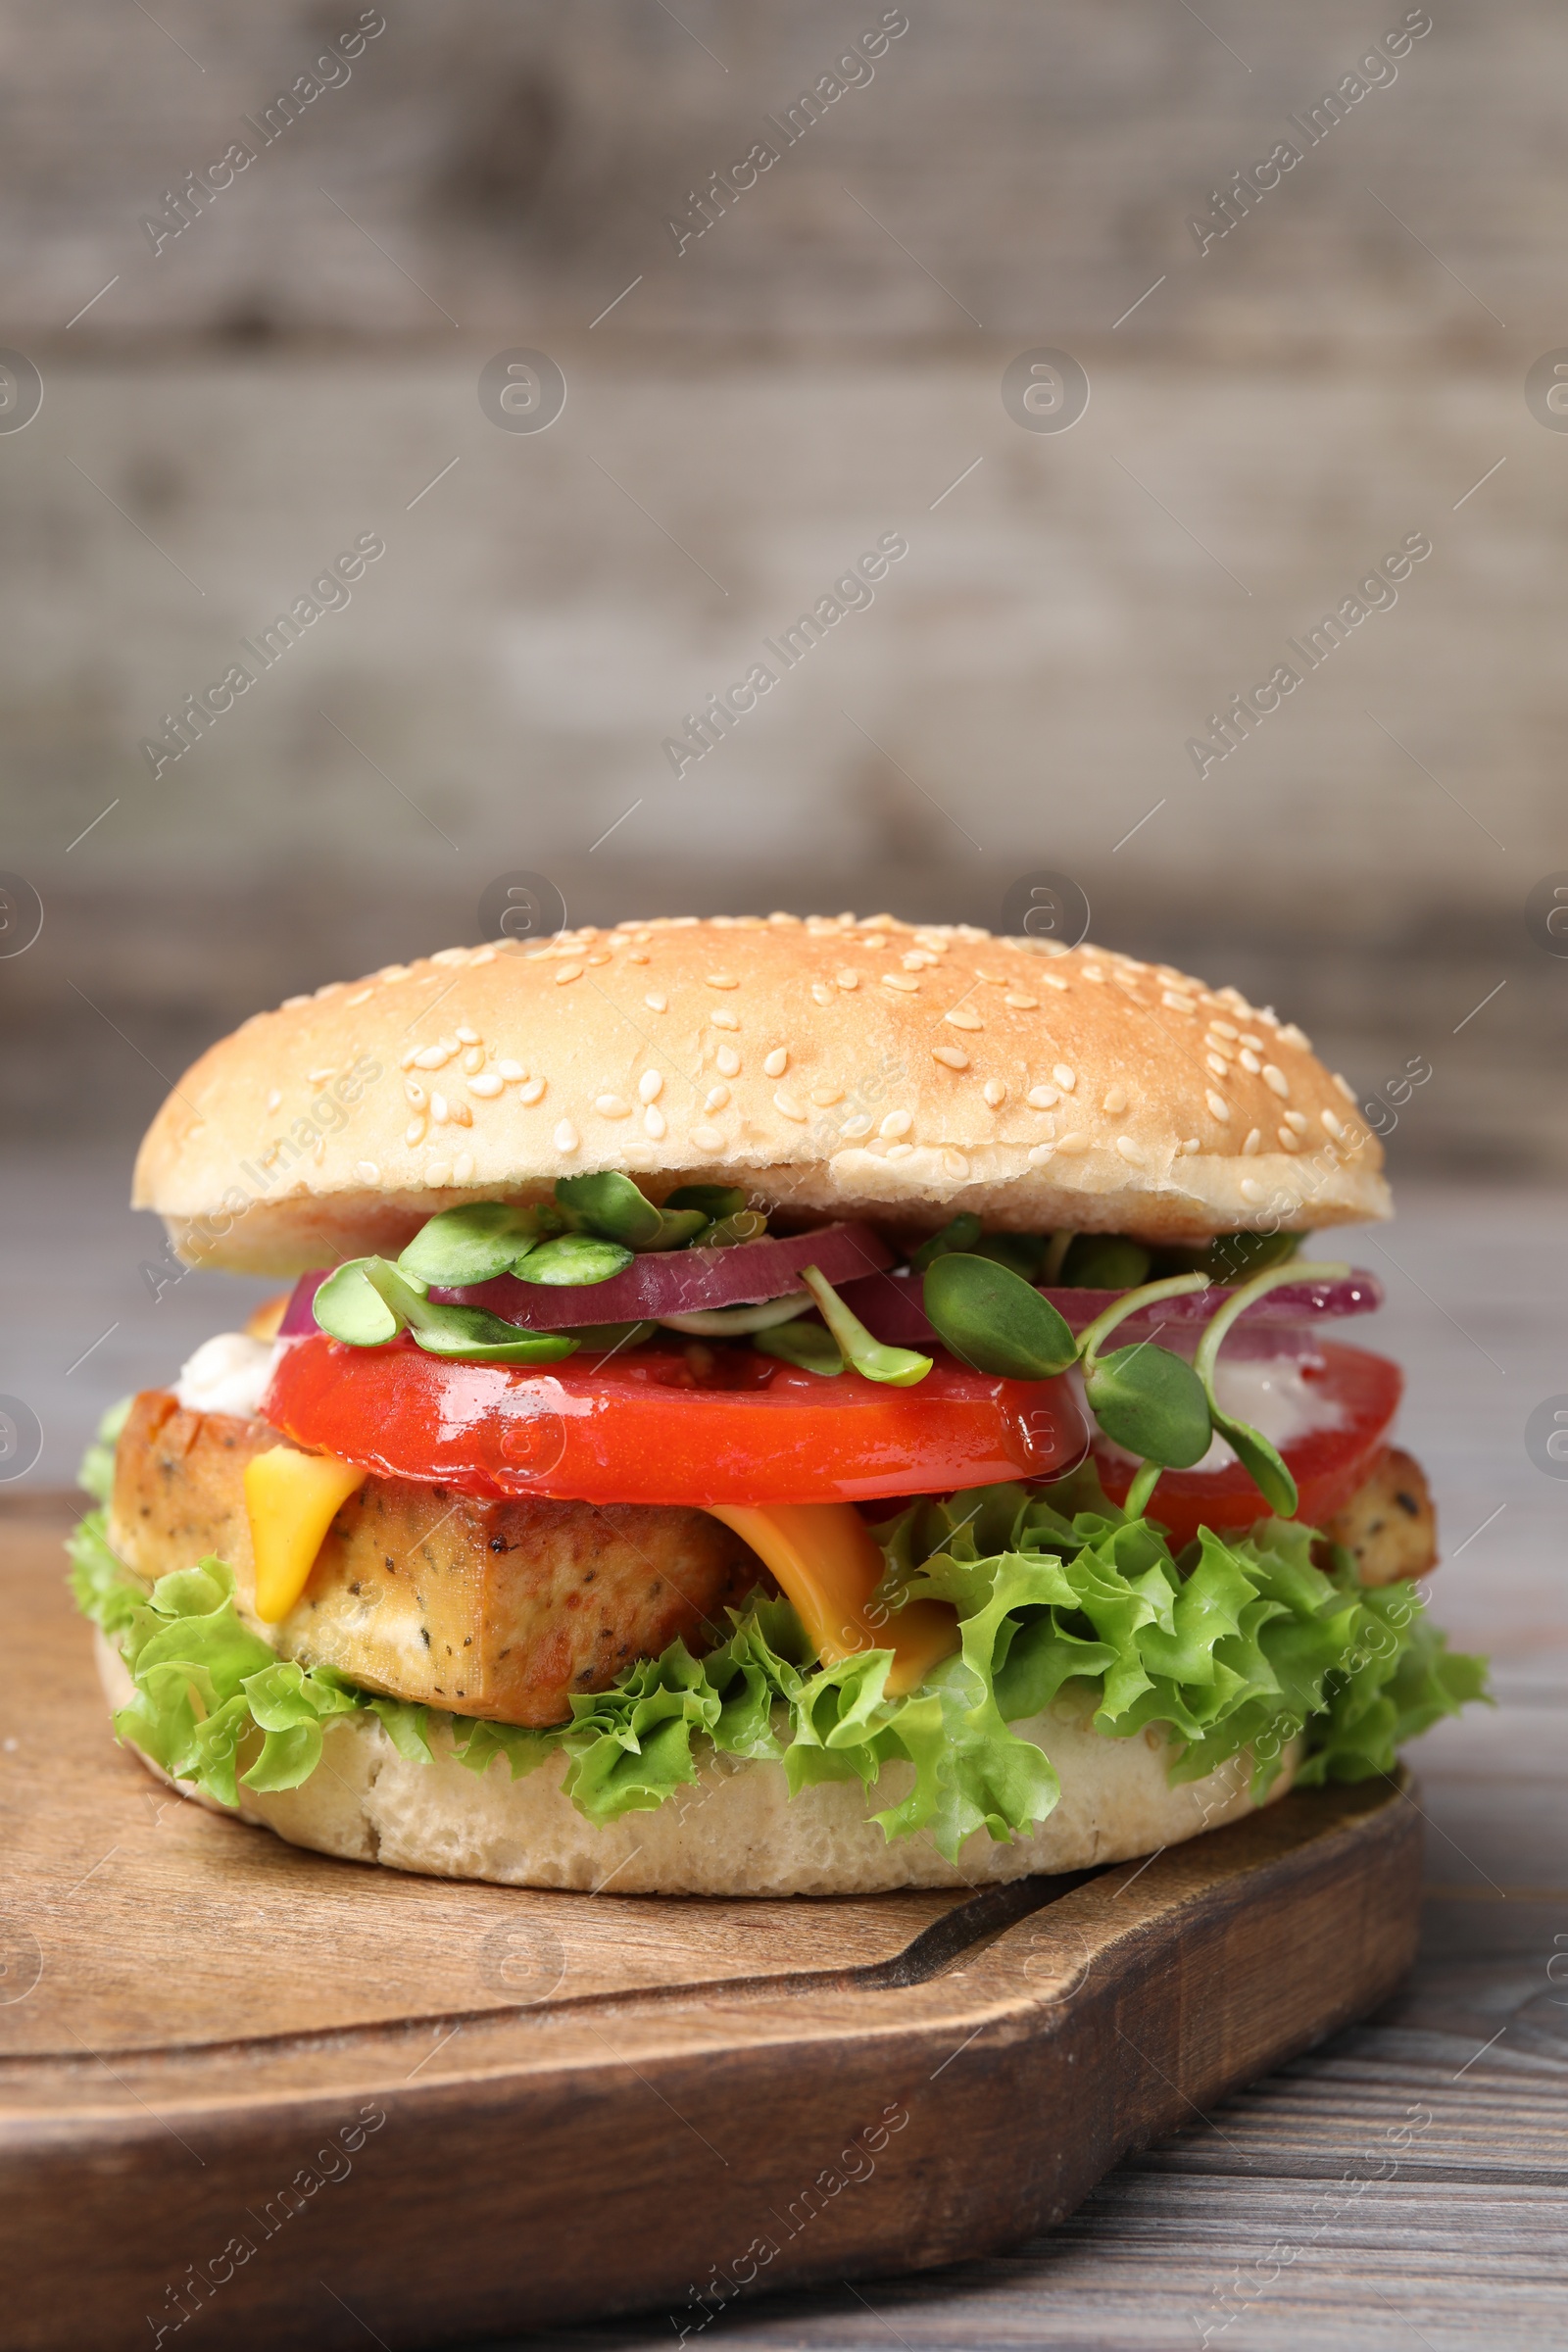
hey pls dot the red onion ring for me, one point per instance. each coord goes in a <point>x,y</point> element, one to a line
<point>890,1306</point>
<point>658,1282</point>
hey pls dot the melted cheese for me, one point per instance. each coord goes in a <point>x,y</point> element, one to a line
<point>291,1500</point>
<point>828,1563</point>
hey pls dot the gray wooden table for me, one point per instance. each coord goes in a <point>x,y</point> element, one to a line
<point>1280,2220</point>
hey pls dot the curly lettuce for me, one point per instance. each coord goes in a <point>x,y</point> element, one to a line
<point>1240,1644</point>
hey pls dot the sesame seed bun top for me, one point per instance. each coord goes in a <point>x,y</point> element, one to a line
<point>878,1067</point>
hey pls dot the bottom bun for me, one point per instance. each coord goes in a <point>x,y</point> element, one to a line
<point>736,1831</point>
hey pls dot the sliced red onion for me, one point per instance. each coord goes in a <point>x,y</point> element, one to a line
<point>658,1283</point>
<point>890,1306</point>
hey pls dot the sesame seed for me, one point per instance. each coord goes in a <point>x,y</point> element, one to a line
<point>566,1137</point>
<point>708,1139</point>
<point>531,1091</point>
<point>845,980</point>
<point>905,982</point>
<point>1345,1086</point>
<point>1249,1061</point>
<point>1061,987</point>
<point>954,1165</point>
<point>431,1058</point>
<point>446,956</point>
<point>995,1093</point>
<point>1253,1044</point>
<point>897,1123</point>
<point>637,956</point>
<point>600,956</point>
<point>393,971</point>
<point>1218,1106</point>
<point>820,992</point>
<point>274,1100</point>
<point>776,1062</point>
<point>824,1096</point>
<point>469,1036</point>
<point>1043,1098</point>
<point>716,1097</point>
<point>414,1092</point>
<point>485,1088</point>
<point>463,1167</point>
<point>291,1004</point>
<point>789,1106</point>
<point>1334,1126</point>
<point>657,1003</point>
<point>899,1151</point>
<point>1073,1144</point>
<point>1040,1154</point>
<point>363,997</point>
<point>1065,1078</point>
<point>1177,1003</point>
<point>917,960</point>
<point>1297,1119</point>
<point>569,972</point>
<point>473,1059</point>
<point>439,1109</point>
<point>1091,971</point>
<point>852,1129</point>
<point>511,1071</point>
<point>1129,1149</point>
<point>1190,1146</point>
<point>954,1057</point>
<point>1290,1035</point>
<point>1115,1102</point>
<point>367,1170</point>
<point>654,1122</point>
<point>1218,1064</point>
<point>1290,1140</point>
<point>405,1061</point>
<point>413,1132</point>
<point>1253,1142</point>
<point>320,1077</point>
<point>1021,1004</point>
<point>461,1115</point>
<point>1252,1191</point>
<point>611,1106</point>
<point>436,1171</point>
<point>727,1063</point>
<point>651,1085</point>
<point>1223,1028</point>
<point>964,1016</point>
<point>722,980</point>
<point>722,1018</point>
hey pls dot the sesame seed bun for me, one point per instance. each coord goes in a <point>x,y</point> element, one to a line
<point>738,1831</point>
<point>874,1068</point>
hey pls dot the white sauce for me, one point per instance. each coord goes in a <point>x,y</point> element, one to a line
<point>227,1374</point>
<point>1270,1392</point>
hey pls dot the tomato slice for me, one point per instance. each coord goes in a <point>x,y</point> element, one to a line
<point>1327,1465</point>
<point>642,1428</point>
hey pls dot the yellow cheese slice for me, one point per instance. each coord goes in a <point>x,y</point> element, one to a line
<point>291,1500</point>
<point>829,1564</point>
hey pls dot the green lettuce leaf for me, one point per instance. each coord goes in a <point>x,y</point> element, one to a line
<point>1240,1644</point>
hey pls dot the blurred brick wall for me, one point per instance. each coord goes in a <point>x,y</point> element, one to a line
<point>820,368</point>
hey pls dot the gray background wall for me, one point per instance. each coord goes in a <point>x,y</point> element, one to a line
<point>296,366</point>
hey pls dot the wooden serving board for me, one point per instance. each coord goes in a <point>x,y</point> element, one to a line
<point>251,2097</point>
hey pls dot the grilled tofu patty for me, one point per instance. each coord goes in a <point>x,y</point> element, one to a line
<point>501,1609</point>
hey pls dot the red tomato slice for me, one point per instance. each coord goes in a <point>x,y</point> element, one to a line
<point>1328,1464</point>
<point>637,1428</point>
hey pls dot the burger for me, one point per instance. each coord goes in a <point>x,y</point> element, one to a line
<point>764,1406</point>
